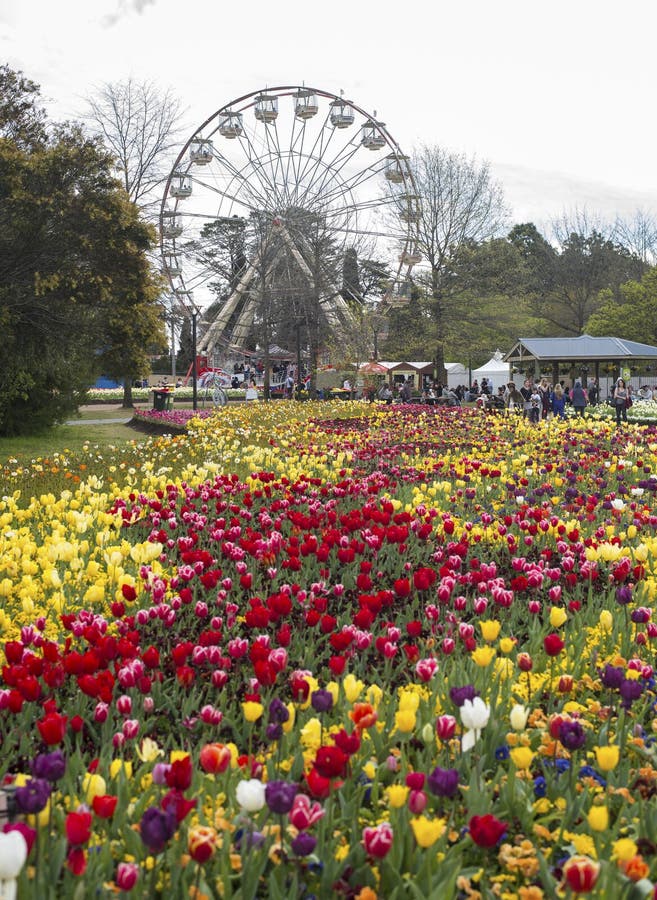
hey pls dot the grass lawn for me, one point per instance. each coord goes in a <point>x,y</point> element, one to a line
<point>66,437</point>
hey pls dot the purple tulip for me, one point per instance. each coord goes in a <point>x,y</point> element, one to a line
<point>443,782</point>
<point>624,594</point>
<point>50,766</point>
<point>159,773</point>
<point>321,701</point>
<point>33,797</point>
<point>612,676</point>
<point>459,695</point>
<point>274,731</point>
<point>303,844</point>
<point>279,796</point>
<point>156,828</point>
<point>630,691</point>
<point>278,712</point>
<point>572,735</point>
<point>641,615</point>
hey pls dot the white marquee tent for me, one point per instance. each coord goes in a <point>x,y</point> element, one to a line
<point>495,370</point>
<point>456,374</point>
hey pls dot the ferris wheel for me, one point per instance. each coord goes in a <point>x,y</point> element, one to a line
<point>284,164</point>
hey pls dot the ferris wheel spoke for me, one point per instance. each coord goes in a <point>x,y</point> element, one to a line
<point>295,152</point>
<point>316,152</point>
<point>331,169</point>
<point>252,206</point>
<point>257,168</point>
<point>239,176</point>
<point>343,188</point>
<point>273,157</point>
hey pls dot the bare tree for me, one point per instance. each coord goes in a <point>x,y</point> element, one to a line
<point>140,124</point>
<point>460,204</point>
<point>579,221</point>
<point>639,235</point>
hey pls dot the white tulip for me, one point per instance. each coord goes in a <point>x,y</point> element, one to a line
<point>13,853</point>
<point>518,717</point>
<point>251,795</point>
<point>474,715</point>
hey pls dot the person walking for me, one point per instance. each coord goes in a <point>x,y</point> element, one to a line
<point>558,402</point>
<point>579,399</point>
<point>526,393</point>
<point>621,398</point>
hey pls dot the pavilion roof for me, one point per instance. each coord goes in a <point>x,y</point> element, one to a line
<point>579,348</point>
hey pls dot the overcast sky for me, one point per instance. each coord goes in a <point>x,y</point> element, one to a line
<point>558,97</point>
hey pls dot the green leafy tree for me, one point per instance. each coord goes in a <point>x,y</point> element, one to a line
<point>632,314</point>
<point>73,278</point>
<point>22,119</point>
<point>132,321</point>
<point>185,353</point>
<point>564,282</point>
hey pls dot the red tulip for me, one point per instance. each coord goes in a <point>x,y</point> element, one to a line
<point>378,841</point>
<point>445,727</point>
<point>330,762</point>
<point>104,805</point>
<point>318,785</point>
<point>76,861</point>
<point>214,758</point>
<point>78,827</point>
<point>126,876</point>
<point>52,728</point>
<point>179,774</point>
<point>486,830</point>
<point>553,644</point>
<point>581,873</point>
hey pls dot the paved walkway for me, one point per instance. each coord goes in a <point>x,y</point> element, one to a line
<point>108,421</point>
<point>121,417</point>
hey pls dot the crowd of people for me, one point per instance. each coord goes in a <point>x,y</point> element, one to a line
<point>539,399</point>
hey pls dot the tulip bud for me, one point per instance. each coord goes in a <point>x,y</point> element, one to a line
<point>428,734</point>
<point>417,801</point>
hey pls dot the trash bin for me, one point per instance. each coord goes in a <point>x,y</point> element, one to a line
<point>160,400</point>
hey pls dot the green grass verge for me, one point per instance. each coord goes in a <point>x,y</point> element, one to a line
<point>66,438</point>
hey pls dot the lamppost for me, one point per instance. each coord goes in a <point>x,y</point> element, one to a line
<point>194,362</point>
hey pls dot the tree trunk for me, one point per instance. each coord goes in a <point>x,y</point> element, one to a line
<point>127,394</point>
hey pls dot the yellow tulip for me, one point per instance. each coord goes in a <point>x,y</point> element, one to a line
<point>93,786</point>
<point>122,765</point>
<point>598,818</point>
<point>405,720</point>
<point>252,710</point>
<point>427,831</point>
<point>557,616</point>
<point>606,620</point>
<point>490,629</point>
<point>522,757</point>
<point>607,757</point>
<point>624,849</point>
<point>409,700</point>
<point>352,687</point>
<point>396,795</point>
<point>483,656</point>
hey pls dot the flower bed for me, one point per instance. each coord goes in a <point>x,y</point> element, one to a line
<point>141,395</point>
<point>382,653</point>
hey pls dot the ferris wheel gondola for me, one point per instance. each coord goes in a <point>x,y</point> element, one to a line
<point>293,159</point>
